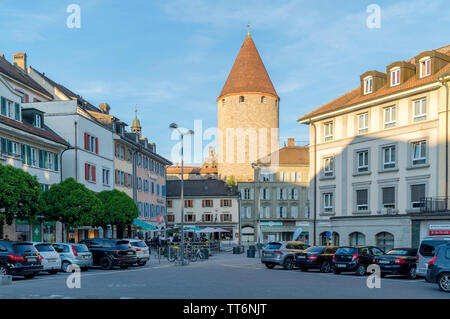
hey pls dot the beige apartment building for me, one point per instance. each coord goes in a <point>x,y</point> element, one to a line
<point>378,156</point>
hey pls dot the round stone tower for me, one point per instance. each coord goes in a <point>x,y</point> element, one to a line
<point>248,118</point>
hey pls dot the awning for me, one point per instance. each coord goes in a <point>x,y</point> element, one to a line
<point>143,225</point>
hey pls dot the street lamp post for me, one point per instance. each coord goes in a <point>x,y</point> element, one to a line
<point>190,132</point>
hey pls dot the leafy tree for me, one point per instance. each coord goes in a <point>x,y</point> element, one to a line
<point>118,209</point>
<point>20,195</point>
<point>231,181</point>
<point>71,203</point>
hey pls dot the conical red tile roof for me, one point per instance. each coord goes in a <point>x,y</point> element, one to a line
<point>248,73</point>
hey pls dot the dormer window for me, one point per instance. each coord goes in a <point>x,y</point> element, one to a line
<point>368,85</point>
<point>425,67</point>
<point>395,76</point>
<point>37,122</point>
<point>241,99</point>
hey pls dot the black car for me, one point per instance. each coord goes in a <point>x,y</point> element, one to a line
<point>439,268</point>
<point>19,259</point>
<point>317,257</point>
<point>354,259</point>
<point>108,253</point>
<point>398,261</point>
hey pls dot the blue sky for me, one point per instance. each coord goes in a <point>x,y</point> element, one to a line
<point>172,57</point>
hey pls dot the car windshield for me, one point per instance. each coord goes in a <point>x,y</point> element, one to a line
<point>45,248</point>
<point>315,249</point>
<point>122,244</point>
<point>273,246</point>
<point>81,248</point>
<point>401,252</point>
<point>138,244</point>
<point>346,251</point>
<point>428,247</point>
<point>24,248</point>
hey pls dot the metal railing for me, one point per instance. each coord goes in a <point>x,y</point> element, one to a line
<point>435,205</point>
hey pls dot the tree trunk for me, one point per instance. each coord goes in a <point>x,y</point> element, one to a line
<point>119,231</point>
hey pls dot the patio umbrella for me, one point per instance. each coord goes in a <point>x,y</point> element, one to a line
<point>221,230</point>
<point>206,230</point>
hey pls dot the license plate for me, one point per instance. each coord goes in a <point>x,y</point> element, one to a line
<point>86,256</point>
<point>31,259</point>
<point>301,257</point>
<point>384,262</point>
<point>52,260</point>
<point>341,266</point>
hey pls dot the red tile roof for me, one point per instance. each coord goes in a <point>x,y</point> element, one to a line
<point>354,96</point>
<point>294,155</point>
<point>248,74</point>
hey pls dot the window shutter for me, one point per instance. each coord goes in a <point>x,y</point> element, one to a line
<point>388,195</point>
<point>115,177</point>
<point>294,211</point>
<point>17,111</point>
<point>241,192</point>
<point>361,197</point>
<point>27,98</point>
<point>417,192</point>
<point>284,211</point>
<point>252,193</point>
<point>96,145</point>
<point>22,152</point>
<point>4,147</point>
<point>86,171</point>
<point>56,162</point>
<point>28,154</point>
<point>93,173</point>
<point>3,106</point>
<point>261,193</point>
<point>289,193</point>
<point>86,142</point>
<point>126,180</point>
<point>116,152</point>
<point>295,193</point>
<point>41,159</point>
<point>131,181</point>
<point>203,203</point>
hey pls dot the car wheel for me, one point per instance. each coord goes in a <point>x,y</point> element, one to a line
<point>65,266</point>
<point>412,273</point>
<point>85,269</point>
<point>288,263</point>
<point>142,263</point>
<point>444,282</point>
<point>360,270</point>
<point>326,267</point>
<point>4,270</point>
<point>270,265</point>
<point>30,276</point>
<point>106,263</point>
<point>336,272</point>
<point>52,272</point>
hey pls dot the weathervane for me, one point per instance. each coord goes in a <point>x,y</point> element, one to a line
<point>248,29</point>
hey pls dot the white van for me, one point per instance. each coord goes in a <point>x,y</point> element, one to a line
<point>427,250</point>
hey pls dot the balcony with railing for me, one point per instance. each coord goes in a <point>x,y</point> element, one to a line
<point>435,205</point>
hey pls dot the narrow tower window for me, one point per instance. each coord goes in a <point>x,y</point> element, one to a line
<point>223,102</point>
<point>241,99</point>
<point>263,99</point>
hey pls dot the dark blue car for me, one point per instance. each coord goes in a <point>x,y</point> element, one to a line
<point>439,268</point>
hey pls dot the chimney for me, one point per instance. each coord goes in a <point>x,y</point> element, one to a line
<point>20,59</point>
<point>291,142</point>
<point>104,107</point>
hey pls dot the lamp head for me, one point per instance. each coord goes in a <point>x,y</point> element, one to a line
<point>173,126</point>
<point>190,132</point>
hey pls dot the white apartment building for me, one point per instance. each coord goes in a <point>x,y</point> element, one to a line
<point>377,152</point>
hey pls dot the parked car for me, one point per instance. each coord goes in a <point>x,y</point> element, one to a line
<point>73,254</point>
<point>19,259</point>
<point>317,257</point>
<point>354,259</point>
<point>142,251</point>
<point>427,250</point>
<point>398,261</point>
<point>276,253</point>
<point>108,253</point>
<point>439,268</point>
<point>51,261</point>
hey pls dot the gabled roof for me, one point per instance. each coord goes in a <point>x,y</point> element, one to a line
<point>248,73</point>
<point>354,96</point>
<point>16,73</point>
<point>205,187</point>
<point>293,155</point>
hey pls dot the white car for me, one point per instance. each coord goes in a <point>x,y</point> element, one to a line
<point>142,251</point>
<point>51,260</point>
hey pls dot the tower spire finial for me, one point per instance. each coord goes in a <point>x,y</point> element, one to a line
<point>248,29</point>
<point>135,110</point>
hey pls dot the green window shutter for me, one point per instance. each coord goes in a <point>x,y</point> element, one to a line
<point>17,111</point>
<point>3,106</point>
<point>56,162</point>
<point>28,154</point>
<point>41,159</point>
<point>10,149</point>
<point>3,145</point>
<point>22,152</point>
<point>45,159</point>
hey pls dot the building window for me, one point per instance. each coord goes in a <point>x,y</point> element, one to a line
<point>189,203</point>
<point>368,85</point>
<point>328,166</point>
<point>388,197</point>
<point>294,212</point>
<point>327,202</point>
<point>385,241</point>
<point>241,99</point>
<point>357,239</point>
<point>425,67</point>
<point>247,212</point>
<point>130,155</point>
<point>225,203</point>
<point>207,218</point>
<point>170,218</point>
<point>328,131</point>
<point>389,117</point>
<point>106,176</point>
<point>362,200</point>
<point>207,203</point>
<point>417,195</point>
<point>225,218</point>
<point>363,123</point>
<point>169,204</point>
<point>420,110</point>
<point>363,161</point>
<point>89,172</point>
<point>419,150</point>
<point>281,212</point>
<point>189,218</point>
<point>247,193</point>
<point>389,158</point>
<point>395,76</point>
<point>37,121</point>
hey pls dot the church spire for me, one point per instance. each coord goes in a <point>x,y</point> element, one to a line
<point>136,127</point>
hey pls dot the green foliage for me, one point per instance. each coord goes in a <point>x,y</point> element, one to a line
<point>20,195</point>
<point>118,209</point>
<point>72,204</point>
<point>231,181</point>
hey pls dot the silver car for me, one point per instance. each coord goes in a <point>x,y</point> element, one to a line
<point>73,254</point>
<point>142,251</point>
<point>276,253</point>
<point>426,251</point>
